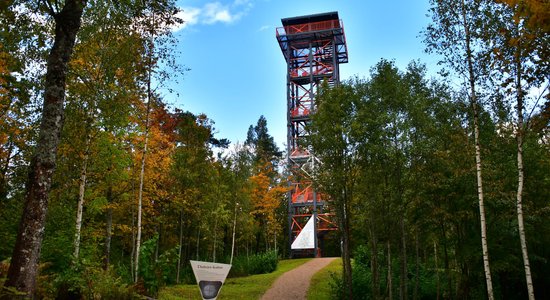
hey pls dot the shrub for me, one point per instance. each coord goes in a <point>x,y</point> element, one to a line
<point>85,282</point>
<point>263,263</point>
<point>260,263</point>
<point>155,273</point>
<point>362,278</point>
<point>336,286</point>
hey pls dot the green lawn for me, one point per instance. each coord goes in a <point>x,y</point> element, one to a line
<point>250,287</point>
<point>319,288</point>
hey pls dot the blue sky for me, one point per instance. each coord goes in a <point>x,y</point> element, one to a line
<point>237,68</point>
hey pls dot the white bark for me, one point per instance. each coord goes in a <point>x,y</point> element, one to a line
<point>519,195</point>
<point>180,248</point>
<point>233,240</point>
<point>521,226</point>
<point>473,100</point>
<point>80,205</point>
<point>140,193</point>
<point>150,64</point>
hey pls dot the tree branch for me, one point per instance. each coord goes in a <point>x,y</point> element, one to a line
<point>528,123</point>
<point>51,10</point>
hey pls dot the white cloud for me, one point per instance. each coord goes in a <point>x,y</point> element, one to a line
<point>189,15</point>
<point>265,27</point>
<point>214,12</point>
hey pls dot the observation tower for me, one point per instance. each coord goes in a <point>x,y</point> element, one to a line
<point>313,46</point>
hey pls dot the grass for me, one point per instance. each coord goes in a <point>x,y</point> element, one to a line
<point>319,289</point>
<point>250,287</point>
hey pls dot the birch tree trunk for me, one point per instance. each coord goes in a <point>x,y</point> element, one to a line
<point>180,250</point>
<point>108,229</point>
<point>23,268</point>
<point>141,175</point>
<point>80,205</point>
<point>519,195</point>
<point>146,140</point>
<point>233,238</point>
<point>4,172</point>
<point>473,101</point>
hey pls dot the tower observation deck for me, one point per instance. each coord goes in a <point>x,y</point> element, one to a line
<point>313,46</point>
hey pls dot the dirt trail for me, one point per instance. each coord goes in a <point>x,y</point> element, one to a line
<point>293,285</point>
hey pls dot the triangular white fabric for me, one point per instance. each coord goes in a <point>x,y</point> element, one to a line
<point>210,277</point>
<point>306,237</point>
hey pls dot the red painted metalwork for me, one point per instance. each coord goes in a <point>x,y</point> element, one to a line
<point>313,47</point>
<point>308,27</point>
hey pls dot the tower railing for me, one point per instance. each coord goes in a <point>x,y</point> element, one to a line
<point>309,27</point>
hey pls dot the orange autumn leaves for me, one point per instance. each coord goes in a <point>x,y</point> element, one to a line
<point>266,198</point>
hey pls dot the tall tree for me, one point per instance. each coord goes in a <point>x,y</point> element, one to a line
<point>456,33</point>
<point>24,264</point>
<point>24,43</point>
<point>192,168</point>
<point>516,55</point>
<point>106,69</point>
<point>262,143</point>
<point>335,143</point>
<point>156,18</point>
<point>266,187</point>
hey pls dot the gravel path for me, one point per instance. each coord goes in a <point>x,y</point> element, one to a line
<point>293,285</point>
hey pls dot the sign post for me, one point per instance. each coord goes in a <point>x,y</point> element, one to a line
<point>210,277</point>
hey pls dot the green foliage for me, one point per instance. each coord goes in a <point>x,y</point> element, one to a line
<point>265,149</point>
<point>87,281</point>
<point>260,263</point>
<point>157,272</point>
<point>323,283</point>
<point>10,212</point>
<point>362,279</point>
<point>263,263</point>
<point>361,273</point>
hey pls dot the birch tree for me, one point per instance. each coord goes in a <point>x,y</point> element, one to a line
<point>456,34</point>
<point>103,83</point>
<point>517,54</point>
<point>155,20</point>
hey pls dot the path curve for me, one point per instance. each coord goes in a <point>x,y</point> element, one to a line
<point>293,285</point>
